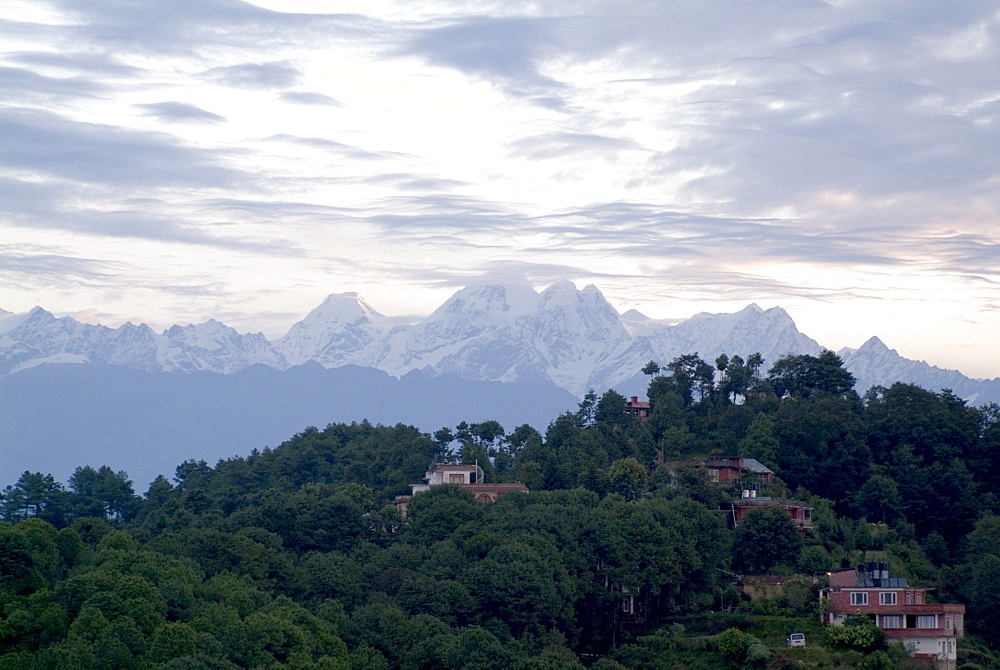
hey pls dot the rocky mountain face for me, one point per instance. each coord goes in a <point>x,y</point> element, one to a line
<point>565,337</point>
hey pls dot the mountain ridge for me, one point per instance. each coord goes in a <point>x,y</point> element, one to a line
<point>566,337</point>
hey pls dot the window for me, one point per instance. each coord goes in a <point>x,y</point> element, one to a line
<point>909,597</point>
<point>456,479</point>
<point>892,621</point>
<point>918,597</point>
<point>887,598</point>
<point>927,621</point>
<point>859,597</point>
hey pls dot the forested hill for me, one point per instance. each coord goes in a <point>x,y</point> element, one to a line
<point>295,557</point>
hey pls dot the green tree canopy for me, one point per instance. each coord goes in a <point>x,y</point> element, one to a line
<point>765,538</point>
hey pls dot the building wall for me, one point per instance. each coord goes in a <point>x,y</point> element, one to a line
<point>943,648</point>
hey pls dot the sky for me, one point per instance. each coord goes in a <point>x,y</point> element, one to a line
<point>171,162</point>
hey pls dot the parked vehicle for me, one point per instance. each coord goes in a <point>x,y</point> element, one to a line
<point>796,640</point>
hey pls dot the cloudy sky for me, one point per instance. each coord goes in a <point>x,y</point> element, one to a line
<point>175,161</point>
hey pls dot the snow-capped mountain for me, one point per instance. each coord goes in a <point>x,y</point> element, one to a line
<point>510,333</point>
<point>214,347</point>
<point>333,333</point>
<point>39,337</point>
<point>478,318</point>
<point>565,337</point>
<point>771,333</point>
<point>875,364</point>
<point>579,334</point>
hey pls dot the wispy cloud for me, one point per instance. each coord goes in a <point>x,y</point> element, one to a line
<point>49,144</point>
<point>48,266</point>
<point>174,112</point>
<point>507,50</point>
<point>21,85</point>
<point>310,98</point>
<point>278,74</point>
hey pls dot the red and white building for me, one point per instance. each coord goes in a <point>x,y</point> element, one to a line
<point>469,477</point>
<point>926,630</point>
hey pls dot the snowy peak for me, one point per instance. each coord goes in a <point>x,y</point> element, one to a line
<point>875,364</point>
<point>342,308</point>
<point>39,337</point>
<point>561,293</point>
<point>208,335</point>
<point>575,333</point>
<point>875,346</point>
<point>770,332</point>
<point>492,302</point>
<point>213,347</point>
<point>579,314</point>
<point>490,331</point>
<point>340,327</point>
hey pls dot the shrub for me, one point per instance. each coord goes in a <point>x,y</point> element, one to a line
<point>732,643</point>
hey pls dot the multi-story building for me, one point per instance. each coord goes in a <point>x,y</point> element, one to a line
<point>469,477</point>
<point>927,630</point>
<point>637,408</point>
<point>747,471</point>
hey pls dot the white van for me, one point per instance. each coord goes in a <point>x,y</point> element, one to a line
<point>796,640</point>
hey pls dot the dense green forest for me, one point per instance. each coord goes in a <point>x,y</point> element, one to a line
<point>295,557</point>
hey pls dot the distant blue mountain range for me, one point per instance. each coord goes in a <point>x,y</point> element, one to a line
<point>57,417</point>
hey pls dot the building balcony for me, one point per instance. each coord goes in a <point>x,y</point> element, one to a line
<point>921,632</point>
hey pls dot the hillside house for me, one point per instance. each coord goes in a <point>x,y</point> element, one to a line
<point>637,408</point>
<point>800,511</point>
<point>749,473</point>
<point>926,630</point>
<point>738,469</point>
<point>469,477</point>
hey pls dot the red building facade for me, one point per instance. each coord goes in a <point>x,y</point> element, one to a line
<point>927,630</point>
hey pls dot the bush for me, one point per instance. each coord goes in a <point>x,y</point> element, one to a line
<point>732,644</point>
<point>757,654</point>
<point>857,633</point>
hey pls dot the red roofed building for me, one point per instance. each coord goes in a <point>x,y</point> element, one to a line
<point>926,630</point>
<point>469,477</point>
<point>736,469</point>
<point>637,408</point>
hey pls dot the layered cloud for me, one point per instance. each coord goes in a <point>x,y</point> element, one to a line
<point>808,153</point>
